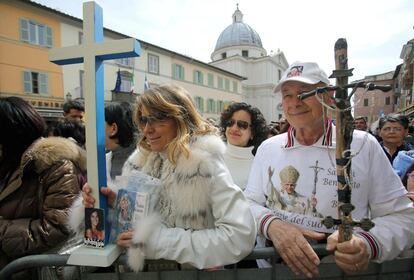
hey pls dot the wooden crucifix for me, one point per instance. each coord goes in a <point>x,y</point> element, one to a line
<point>92,53</point>
<point>344,132</point>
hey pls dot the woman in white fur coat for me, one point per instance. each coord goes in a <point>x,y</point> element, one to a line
<point>204,220</point>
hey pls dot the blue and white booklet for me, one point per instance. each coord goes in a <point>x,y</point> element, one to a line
<point>136,198</point>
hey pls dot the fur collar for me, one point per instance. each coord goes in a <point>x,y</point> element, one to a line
<point>210,145</point>
<point>44,152</point>
<point>185,192</point>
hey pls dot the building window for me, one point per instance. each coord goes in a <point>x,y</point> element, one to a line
<point>35,33</point>
<point>279,74</point>
<point>365,102</point>
<point>387,100</point>
<point>153,64</point>
<point>178,72</point>
<point>126,81</point>
<point>245,53</point>
<point>210,80</point>
<point>220,106</point>
<point>35,82</point>
<point>128,61</point>
<point>223,55</point>
<point>80,38</point>
<point>235,87</point>
<point>199,101</point>
<point>82,83</point>
<point>220,83</point>
<point>198,77</point>
<point>211,106</point>
<point>227,84</point>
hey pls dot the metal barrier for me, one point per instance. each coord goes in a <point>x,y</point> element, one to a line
<point>401,268</point>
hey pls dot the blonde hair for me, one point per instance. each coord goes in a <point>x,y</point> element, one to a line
<point>175,102</point>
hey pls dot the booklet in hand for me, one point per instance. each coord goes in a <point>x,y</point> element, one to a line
<point>136,199</point>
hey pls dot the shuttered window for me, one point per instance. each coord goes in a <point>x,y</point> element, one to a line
<point>198,77</point>
<point>210,80</point>
<point>211,106</point>
<point>153,64</point>
<point>35,82</point>
<point>178,71</point>
<point>199,101</point>
<point>36,33</point>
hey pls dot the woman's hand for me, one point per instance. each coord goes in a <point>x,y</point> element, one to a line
<point>110,195</point>
<point>89,200</point>
<point>125,239</point>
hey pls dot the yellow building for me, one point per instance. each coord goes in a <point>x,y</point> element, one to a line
<point>28,30</point>
<point>26,35</point>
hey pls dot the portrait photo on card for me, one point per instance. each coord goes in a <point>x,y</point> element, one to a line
<point>94,227</point>
<point>125,209</point>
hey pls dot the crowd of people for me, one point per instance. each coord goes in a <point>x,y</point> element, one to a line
<point>224,188</point>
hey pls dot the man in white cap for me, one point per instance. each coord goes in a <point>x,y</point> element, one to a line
<point>309,146</point>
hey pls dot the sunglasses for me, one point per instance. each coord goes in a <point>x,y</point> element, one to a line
<point>154,118</point>
<point>240,124</point>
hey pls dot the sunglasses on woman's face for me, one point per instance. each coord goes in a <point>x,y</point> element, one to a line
<point>154,118</point>
<point>240,124</point>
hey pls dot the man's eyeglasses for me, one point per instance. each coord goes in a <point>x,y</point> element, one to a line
<point>154,118</point>
<point>393,129</point>
<point>240,124</point>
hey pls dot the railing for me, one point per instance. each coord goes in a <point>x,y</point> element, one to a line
<point>401,268</point>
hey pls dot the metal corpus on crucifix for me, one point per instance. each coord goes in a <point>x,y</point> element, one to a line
<point>344,133</point>
<point>92,53</point>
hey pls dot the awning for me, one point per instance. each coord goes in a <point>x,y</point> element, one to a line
<point>408,111</point>
<point>50,113</point>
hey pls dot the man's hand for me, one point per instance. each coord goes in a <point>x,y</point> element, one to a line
<point>89,200</point>
<point>291,244</point>
<point>351,256</point>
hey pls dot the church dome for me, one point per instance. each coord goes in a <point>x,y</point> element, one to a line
<point>238,34</point>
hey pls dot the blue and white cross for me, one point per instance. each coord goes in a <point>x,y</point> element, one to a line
<point>92,53</point>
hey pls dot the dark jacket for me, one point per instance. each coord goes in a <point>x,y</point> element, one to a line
<point>404,147</point>
<point>35,199</point>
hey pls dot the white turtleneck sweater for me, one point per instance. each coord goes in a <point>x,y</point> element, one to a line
<point>239,161</point>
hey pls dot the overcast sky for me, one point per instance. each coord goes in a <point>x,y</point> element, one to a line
<point>304,30</point>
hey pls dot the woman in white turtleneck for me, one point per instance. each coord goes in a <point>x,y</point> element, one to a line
<point>244,128</point>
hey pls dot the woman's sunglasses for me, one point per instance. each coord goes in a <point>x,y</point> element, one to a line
<point>154,118</point>
<point>240,124</point>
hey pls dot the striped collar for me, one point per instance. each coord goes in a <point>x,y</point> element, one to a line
<point>325,141</point>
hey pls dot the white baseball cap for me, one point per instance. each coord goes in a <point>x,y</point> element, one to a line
<point>305,72</point>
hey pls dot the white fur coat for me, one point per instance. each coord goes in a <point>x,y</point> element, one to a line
<point>196,194</point>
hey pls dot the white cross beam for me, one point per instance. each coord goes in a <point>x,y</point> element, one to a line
<point>92,53</point>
